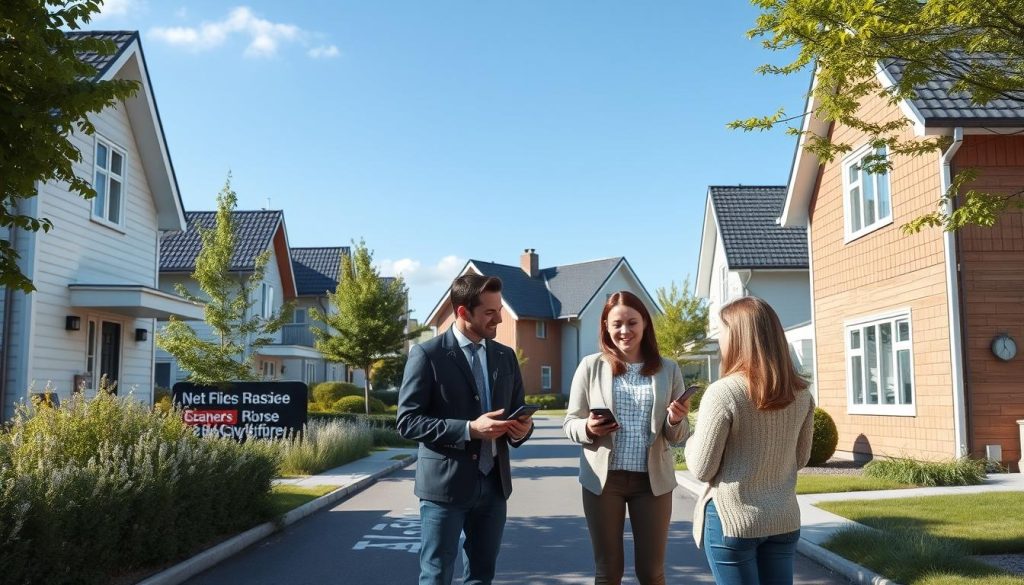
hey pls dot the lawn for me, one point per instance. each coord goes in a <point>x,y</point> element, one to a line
<point>551,413</point>
<point>819,483</point>
<point>284,498</point>
<point>926,540</point>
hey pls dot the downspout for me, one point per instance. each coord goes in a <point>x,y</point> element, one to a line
<point>953,297</point>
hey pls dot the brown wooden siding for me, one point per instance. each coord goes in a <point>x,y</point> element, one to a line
<point>992,276</point>
<point>540,352</point>
<point>878,272</point>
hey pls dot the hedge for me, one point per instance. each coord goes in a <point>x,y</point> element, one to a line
<point>547,401</point>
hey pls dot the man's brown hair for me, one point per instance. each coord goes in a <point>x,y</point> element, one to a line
<point>466,290</point>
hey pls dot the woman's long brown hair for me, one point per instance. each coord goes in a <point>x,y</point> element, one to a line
<point>648,343</point>
<point>756,347</point>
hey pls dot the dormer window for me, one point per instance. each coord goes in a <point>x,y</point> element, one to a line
<point>108,181</point>
<point>868,202</point>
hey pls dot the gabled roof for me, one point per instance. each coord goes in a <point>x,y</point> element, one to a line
<point>939,105</point>
<point>557,292</point>
<point>317,269</point>
<point>935,110</point>
<point>129,62</point>
<point>747,219</point>
<point>255,231</point>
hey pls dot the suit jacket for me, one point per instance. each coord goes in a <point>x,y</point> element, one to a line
<point>592,386</point>
<point>438,397</point>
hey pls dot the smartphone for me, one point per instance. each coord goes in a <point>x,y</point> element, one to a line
<point>690,391</point>
<point>606,414</point>
<point>524,410</point>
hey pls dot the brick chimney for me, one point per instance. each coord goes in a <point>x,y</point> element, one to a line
<point>529,262</point>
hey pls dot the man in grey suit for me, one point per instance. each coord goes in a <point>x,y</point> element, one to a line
<point>457,392</point>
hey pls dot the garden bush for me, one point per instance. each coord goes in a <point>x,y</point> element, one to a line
<point>826,437</point>
<point>324,444</point>
<point>356,404</point>
<point>962,471</point>
<point>388,397</point>
<point>548,401</point>
<point>327,393</point>
<point>98,488</point>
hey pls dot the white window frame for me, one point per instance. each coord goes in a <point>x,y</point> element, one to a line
<point>103,218</point>
<point>545,377</point>
<point>852,160</point>
<point>864,408</point>
<point>542,330</point>
<point>268,301</point>
<point>723,283</point>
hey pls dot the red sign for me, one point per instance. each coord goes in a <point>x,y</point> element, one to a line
<point>211,417</point>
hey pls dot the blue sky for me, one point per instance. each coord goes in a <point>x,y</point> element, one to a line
<point>446,130</point>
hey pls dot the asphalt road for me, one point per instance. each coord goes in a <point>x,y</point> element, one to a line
<point>373,537</point>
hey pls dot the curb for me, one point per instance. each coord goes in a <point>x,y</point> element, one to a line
<point>218,553</point>
<point>855,573</point>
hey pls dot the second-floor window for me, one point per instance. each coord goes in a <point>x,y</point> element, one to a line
<point>868,203</point>
<point>300,316</point>
<point>268,301</point>
<point>724,283</point>
<point>108,181</point>
<point>542,329</point>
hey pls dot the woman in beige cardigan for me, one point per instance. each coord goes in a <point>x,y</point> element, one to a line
<point>626,461</point>
<point>754,431</point>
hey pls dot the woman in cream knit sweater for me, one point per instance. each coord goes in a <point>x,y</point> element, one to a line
<point>754,431</point>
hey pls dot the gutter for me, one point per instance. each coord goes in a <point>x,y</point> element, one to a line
<point>956,353</point>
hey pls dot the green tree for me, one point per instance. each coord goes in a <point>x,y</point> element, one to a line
<point>682,327</point>
<point>369,318</point>
<point>46,94</point>
<point>229,299</point>
<point>844,40</point>
<point>388,372</point>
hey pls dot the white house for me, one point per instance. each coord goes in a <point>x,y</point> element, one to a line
<point>744,251</point>
<point>98,296</point>
<point>257,231</point>
<point>316,274</point>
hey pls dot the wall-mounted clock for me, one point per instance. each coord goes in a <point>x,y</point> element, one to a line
<point>1004,347</point>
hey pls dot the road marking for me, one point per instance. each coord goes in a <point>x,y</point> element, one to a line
<point>401,534</point>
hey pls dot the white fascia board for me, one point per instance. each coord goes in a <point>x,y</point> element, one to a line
<point>708,246</point>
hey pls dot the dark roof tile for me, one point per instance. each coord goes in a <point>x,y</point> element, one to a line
<point>939,104</point>
<point>255,231</point>
<point>748,225</point>
<point>121,39</point>
<point>317,269</point>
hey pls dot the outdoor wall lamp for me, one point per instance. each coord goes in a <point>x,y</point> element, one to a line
<point>141,334</point>
<point>72,322</point>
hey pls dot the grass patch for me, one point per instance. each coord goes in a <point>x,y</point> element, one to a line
<point>551,413</point>
<point>284,498</point>
<point>818,483</point>
<point>962,471</point>
<point>928,540</point>
<point>983,523</point>
<point>398,457</point>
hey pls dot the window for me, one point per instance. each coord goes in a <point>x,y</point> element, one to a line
<point>868,204</point>
<point>108,174</point>
<point>162,376</point>
<point>267,308</point>
<point>542,329</point>
<point>545,377</point>
<point>723,282</point>
<point>90,355</point>
<point>310,373</point>
<point>268,369</point>
<point>879,363</point>
<point>300,316</point>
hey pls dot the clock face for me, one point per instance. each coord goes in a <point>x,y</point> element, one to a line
<point>1004,347</point>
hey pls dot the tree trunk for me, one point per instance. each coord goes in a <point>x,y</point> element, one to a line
<point>366,387</point>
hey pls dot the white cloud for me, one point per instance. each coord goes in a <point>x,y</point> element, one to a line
<point>116,8</point>
<point>324,52</point>
<point>414,272</point>
<point>264,36</point>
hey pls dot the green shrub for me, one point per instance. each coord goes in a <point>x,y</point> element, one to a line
<point>102,487</point>
<point>356,404</point>
<point>547,401</point>
<point>962,471</point>
<point>826,437</point>
<point>324,445</point>
<point>384,421</point>
<point>388,397</point>
<point>327,393</point>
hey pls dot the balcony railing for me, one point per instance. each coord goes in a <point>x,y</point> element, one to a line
<point>297,334</point>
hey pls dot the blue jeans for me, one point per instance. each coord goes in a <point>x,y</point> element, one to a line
<point>483,521</point>
<point>747,561</point>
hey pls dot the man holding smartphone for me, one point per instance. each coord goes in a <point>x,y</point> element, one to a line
<point>454,398</point>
